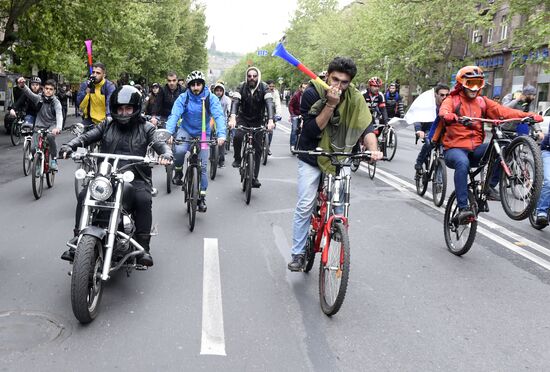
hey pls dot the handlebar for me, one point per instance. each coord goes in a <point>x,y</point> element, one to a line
<point>365,155</point>
<point>179,141</point>
<point>466,120</point>
<point>251,129</point>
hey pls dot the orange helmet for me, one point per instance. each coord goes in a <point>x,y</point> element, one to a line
<point>375,81</point>
<point>471,77</point>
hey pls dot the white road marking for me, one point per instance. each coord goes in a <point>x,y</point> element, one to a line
<point>213,338</point>
<point>409,188</point>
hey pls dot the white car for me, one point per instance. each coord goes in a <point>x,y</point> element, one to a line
<point>546,116</point>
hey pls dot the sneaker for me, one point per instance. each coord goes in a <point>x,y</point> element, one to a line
<point>268,152</point>
<point>542,219</point>
<point>418,167</point>
<point>221,164</point>
<point>53,165</point>
<point>201,205</point>
<point>292,148</point>
<point>256,184</point>
<point>178,177</point>
<point>68,255</point>
<point>236,164</point>
<point>464,216</point>
<point>493,194</point>
<point>297,263</point>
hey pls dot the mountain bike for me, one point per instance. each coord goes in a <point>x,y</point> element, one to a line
<point>27,150</point>
<point>214,155</point>
<point>41,164</point>
<point>15,132</point>
<point>247,167</point>
<point>520,184</point>
<point>328,232</point>
<point>434,171</point>
<point>387,140</point>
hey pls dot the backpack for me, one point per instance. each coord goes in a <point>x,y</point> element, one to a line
<point>206,104</point>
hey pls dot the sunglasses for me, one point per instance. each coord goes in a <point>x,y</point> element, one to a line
<point>252,76</point>
<point>338,81</point>
<point>444,95</point>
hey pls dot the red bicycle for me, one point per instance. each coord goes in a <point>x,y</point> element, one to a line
<point>41,164</point>
<point>328,232</point>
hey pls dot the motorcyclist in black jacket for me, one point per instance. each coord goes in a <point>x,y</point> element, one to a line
<point>127,133</point>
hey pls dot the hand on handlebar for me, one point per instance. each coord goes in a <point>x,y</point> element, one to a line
<point>270,125</point>
<point>376,155</point>
<point>56,131</point>
<point>154,121</point>
<point>232,122</point>
<point>12,113</point>
<point>221,141</point>
<point>165,159</point>
<point>65,151</point>
<point>450,117</point>
<point>420,134</point>
<point>537,118</point>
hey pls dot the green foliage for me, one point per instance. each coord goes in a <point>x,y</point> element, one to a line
<point>142,38</point>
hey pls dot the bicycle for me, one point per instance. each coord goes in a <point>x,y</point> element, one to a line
<point>520,181</point>
<point>247,166</point>
<point>265,148</point>
<point>434,171</point>
<point>192,178</point>
<point>15,132</point>
<point>27,151</point>
<point>328,233</point>
<point>41,164</point>
<point>387,141</point>
<point>371,165</point>
<point>214,155</point>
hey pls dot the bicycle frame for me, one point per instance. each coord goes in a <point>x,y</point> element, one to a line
<point>43,148</point>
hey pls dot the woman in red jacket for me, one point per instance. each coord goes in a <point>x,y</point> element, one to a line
<point>464,145</point>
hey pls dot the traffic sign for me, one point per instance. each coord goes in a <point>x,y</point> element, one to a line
<point>262,53</point>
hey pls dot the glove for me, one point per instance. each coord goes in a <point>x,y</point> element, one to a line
<point>277,118</point>
<point>65,149</point>
<point>166,157</point>
<point>450,117</point>
<point>537,118</point>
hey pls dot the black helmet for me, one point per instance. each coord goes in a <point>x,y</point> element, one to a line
<point>125,95</point>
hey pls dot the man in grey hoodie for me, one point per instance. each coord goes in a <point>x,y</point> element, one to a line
<point>219,91</point>
<point>49,113</point>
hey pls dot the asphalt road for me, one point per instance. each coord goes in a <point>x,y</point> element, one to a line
<point>410,304</point>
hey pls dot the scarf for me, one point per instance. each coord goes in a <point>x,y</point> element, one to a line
<point>348,122</point>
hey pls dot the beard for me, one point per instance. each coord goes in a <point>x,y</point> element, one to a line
<point>252,83</point>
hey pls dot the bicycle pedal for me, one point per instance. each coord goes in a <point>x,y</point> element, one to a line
<point>141,267</point>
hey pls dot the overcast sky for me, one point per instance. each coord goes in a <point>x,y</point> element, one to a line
<point>244,25</point>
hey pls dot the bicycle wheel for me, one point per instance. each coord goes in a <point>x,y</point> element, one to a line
<point>355,165</point>
<point>214,156</point>
<point>459,237</point>
<point>193,196</point>
<point>391,143</point>
<point>421,179</point>
<point>334,274</point>
<point>371,168</point>
<point>265,149</point>
<point>439,182</point>
<point>520,192</point>
<point>249,177</point>
<point>37,173</point>
<point>169,176</point>
<point>50,178</point>
<point>15,134</point>
<point>27,158</point>
<point>310,251</point>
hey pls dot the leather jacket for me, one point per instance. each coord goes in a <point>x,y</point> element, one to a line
<point>110,134</point>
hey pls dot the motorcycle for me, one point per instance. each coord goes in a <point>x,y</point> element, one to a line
<point>106,243</point>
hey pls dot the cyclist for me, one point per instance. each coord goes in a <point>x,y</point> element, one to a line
<point>339,117</point>
<point>25,104</point>
<point>394,103</point>
<point>441,92</point>
<point>188,108</point>
<point>463,144</point>
<point>277,104</point>
<point>294,109</point>
<point>225,101</point>
<point>151,100</point>
<point>94,95</point>
<point>250,101</point>
<point>166,98</point>
<point>49,113</point>
<point>544,201</point>
<point>126,133</point>
<point>376,101</point>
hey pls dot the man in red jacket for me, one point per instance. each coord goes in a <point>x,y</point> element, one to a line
<point>464,145</point>
<point>294,109</point>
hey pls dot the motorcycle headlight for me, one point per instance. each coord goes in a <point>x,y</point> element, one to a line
<point>101,188</point>
<point>80,174</point>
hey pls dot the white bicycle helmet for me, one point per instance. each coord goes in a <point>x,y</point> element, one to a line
<point>194,76</point>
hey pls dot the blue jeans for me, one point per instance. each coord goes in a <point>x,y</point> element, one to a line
<point>308,183</point>
<point>424,152</point>
<point>295,120</point>
<point>461,161</point>
<point>30,119</point>
<point>183,149</point>
<point>544,200</point>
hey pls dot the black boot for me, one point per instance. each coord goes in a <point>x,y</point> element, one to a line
<point>68,255</point>
<point>178,177</point>
<point>145,259</point>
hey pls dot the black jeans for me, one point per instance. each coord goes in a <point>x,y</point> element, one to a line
<point>237,148</point>
<point>137,200</point>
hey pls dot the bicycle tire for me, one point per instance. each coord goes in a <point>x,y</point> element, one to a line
<point>371,168</point>
<point>439,184</point>
<point>214,156</point>
<point>511,193</point>
<point>27,158</point>
<point>15,134</point>
<point>309,254</point>
<point>451,228</point>
<point>339,258</point>
<point>422,180</point>
<point>169,176</point>
<point>37,173</point>
<point>193,197</point>
<point>390,143</point>
<point>249,177</point>
<point>50,178</point>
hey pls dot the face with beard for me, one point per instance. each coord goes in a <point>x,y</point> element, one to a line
<point>471,94</point>
<point>252,78</point>
<point>529,98</point>
<point>196,87</point>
